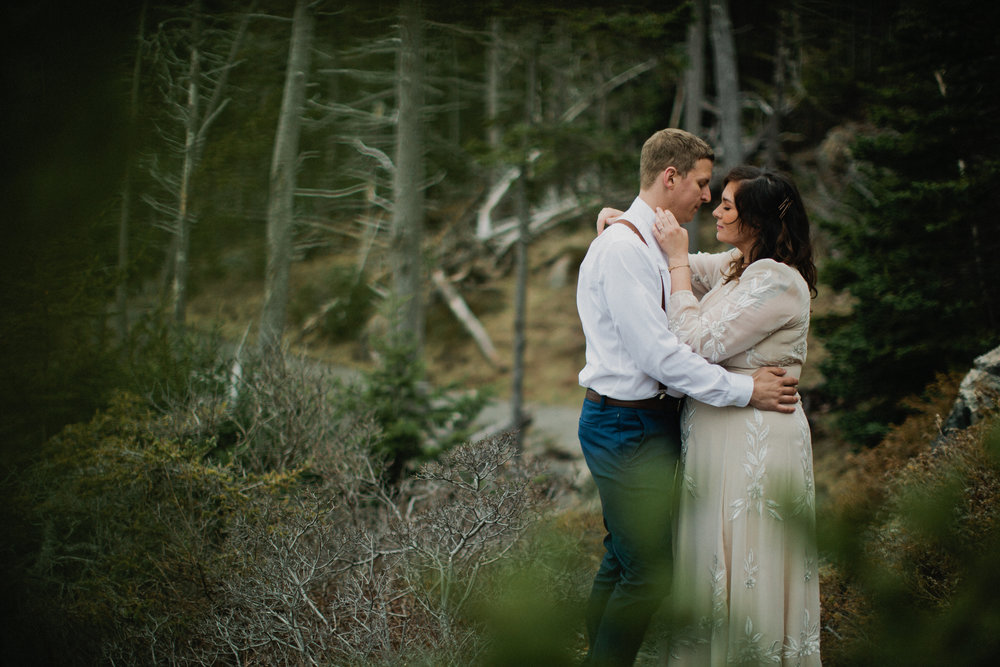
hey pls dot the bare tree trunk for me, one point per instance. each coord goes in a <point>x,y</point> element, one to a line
<point>694,74</point>
<point>484,226</point>
<point>121,289</point>
<point>183,223</point>
<point>597,76</point>
<point>196,124</point>
<point>408,193</point>
<point>517,416</point>
<point>280,209</point>
<point>373,216</point>
<point>694,91</point>
<point>556,88</point>
<point>455,95</point>
<point>727,85</point>
<point>771,142</point>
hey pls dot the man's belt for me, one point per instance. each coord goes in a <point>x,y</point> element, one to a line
<point>658,402</point>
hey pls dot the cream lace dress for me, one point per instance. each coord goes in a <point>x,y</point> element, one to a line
<point>746,589</point>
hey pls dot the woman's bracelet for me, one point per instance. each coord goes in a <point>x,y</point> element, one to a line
<point>678,266</point>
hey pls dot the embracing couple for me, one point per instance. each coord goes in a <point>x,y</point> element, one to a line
<point>708,498</point>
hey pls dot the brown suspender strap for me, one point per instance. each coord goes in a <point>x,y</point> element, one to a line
<point>663,290</point>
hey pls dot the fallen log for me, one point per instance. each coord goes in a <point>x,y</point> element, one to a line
<point>459,308</point>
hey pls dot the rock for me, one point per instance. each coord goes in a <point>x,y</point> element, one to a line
<point>979,393</point>
<point>989,362</point>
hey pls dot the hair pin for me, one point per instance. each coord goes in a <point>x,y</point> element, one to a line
<point>783,208</point>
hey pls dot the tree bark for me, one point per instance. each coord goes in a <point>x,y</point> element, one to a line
<point>772,145</point>
<point>484,221</point>
<point>280,209</point>
<point>196,124</point>
<point>694,73</point>
<point>183,223</point>
<point>455,97</point>
<point>408,193</point>
<point>461,310</point>
<point>727,86</point>
<point>694,91</point>
<point>521,257</point>
<point>121,288</point>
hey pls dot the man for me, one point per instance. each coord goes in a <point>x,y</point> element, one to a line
<point>635,374</point>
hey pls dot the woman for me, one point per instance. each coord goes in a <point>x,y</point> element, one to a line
<point>746,586</point>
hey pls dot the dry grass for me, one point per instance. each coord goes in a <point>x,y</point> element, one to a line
<point>555,345</point>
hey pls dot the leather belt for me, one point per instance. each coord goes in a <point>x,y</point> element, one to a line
<point>659,402</point>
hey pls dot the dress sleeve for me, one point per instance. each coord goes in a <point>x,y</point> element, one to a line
<point>769,296</point>
<point>706,270</point>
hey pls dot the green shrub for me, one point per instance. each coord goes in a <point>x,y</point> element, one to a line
<point>128,530</point>
<point>417,421</point>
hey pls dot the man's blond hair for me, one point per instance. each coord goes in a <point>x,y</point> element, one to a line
<point>671,148</point>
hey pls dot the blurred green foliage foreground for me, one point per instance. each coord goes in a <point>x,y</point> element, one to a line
<point>247,516</point>
<point>911,532</point>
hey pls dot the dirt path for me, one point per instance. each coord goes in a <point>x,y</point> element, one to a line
<point>553,427</point>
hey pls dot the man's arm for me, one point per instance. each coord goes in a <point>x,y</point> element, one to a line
<point>632,287</point>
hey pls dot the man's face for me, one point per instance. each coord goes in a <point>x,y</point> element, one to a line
<point>691,191</point>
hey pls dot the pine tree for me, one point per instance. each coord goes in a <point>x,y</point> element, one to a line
<point>916,256</point>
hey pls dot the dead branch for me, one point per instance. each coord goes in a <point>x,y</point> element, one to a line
<point>605,88</point>
<point>484,227</point>
<point>506,232</point>
<point>461,310</point>
<point>485,230</point>
<point>384,160</point>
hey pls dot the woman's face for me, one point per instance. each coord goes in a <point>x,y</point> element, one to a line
<point>727,225</point>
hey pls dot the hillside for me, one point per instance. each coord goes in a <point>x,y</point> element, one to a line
<point>555,346</point>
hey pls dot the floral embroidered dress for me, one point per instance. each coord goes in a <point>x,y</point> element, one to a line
<point>746,589</point>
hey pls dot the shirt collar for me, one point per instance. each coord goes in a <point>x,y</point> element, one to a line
<point>642,216</point>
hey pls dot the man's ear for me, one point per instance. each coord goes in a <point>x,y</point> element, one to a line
<point>668,177</point>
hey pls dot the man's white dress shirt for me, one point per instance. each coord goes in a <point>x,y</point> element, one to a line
<point>630,348</point>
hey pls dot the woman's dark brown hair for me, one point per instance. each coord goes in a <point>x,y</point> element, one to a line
<point>770,207</point>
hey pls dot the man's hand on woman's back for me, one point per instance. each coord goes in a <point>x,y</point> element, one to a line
<point>774,389</point>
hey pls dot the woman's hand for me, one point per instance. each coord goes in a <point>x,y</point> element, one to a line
<point>606,216</point>
<point>673,238</point>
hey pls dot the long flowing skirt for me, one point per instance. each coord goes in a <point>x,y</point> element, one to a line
<point>746,587</point>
